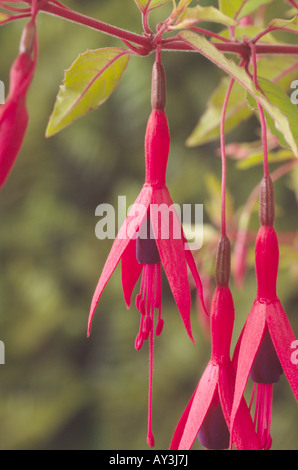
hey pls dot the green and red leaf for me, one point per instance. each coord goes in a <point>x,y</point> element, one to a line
<point>87,85</point>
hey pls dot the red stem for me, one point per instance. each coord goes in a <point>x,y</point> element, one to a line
<point>175,44</point>
<point>76,17</point>
<point>168,44</point>
<point>223,158</point>
<point>261,112</point>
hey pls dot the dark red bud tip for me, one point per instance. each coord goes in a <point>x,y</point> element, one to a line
<point>266,205</point>
<point>158,89</point>
<point>28,37</point>
<point>223,262</point>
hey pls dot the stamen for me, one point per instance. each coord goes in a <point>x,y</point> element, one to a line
<point>263,413</point>
<point>157,301</point>
<point>147,300</point>
<point>150,437</point>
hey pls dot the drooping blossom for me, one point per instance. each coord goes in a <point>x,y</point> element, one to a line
<point>207,415</point>
<point>13,113</point>
<point>151,237</point>
<point>264,348</point>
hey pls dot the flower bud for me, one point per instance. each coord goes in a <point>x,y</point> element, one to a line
<point>266,204</point>
<point>223,262</point>
<point>158,88</point>
<point>28,38</point>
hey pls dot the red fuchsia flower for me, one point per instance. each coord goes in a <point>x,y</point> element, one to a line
<point>143,244</point>
<point>264,348</point>
<point>207,415</point>
<point>13,114</point>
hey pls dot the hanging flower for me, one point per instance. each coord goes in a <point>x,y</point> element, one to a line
<point>264,348</point>
<point>207,415</point>
<point>13,114</point>
<point>143,244</point>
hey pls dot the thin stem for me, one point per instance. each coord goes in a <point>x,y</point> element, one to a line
<point>261,113</point>
<point>210,33</point>
<point>271,29</point>
<point>223,158</point>
<point>98,25</point>
<point>239,48</point>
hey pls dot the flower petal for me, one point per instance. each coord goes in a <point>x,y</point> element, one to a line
<point>244,435</point>
<point>126,233</point>
<point>250,341</point>
<point>181,425</point>
<point>131,271</point>
<point>193,269</point>
<point>169,240</point>
<point>282,337</point>
<point>13,125</point>
<point>200,405</point>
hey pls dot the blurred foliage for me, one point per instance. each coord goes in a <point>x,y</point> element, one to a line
<point>59,390</point>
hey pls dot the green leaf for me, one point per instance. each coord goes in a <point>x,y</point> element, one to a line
<point>88,84</point>
<point>198,13</point>
<point>251,6</point>
<point>208,127</point>
<point>291,25</point>
<point>234,9</point>
<point>276,95</point>
<point>208,50</point>
<point>230,7</point>
<point>3,16</point>
<point>250,32</point>
<point>257,158</point>
<point>147,5</point>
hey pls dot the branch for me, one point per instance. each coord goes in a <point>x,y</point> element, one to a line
<point>98,25</point>
<point>239,48</point>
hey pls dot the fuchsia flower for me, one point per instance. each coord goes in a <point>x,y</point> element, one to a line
<point>264,349</point>
<point>207,415</point>
<point>142,255</point>
<point>13,114</point>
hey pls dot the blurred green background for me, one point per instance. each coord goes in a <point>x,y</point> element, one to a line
<point>59,390</point>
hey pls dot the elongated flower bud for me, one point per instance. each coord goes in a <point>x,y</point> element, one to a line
<point>13,114</point>
<point>223,262</point>
<point>158,88</point>
<point>266,204</point>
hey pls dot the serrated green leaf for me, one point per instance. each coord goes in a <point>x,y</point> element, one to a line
<point>291,25</point>
<point>198,13</point>
<point>208,126</point>
<point>147,5</point>
<point>230,7</point>
<point>208,50</point>
<point>88,84</point>
<point>276,95</point>
<point>234,8</point>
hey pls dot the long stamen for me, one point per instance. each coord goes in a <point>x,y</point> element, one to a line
<point>157,301</point>
<point>150,437</point>
<point>263,412</point>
